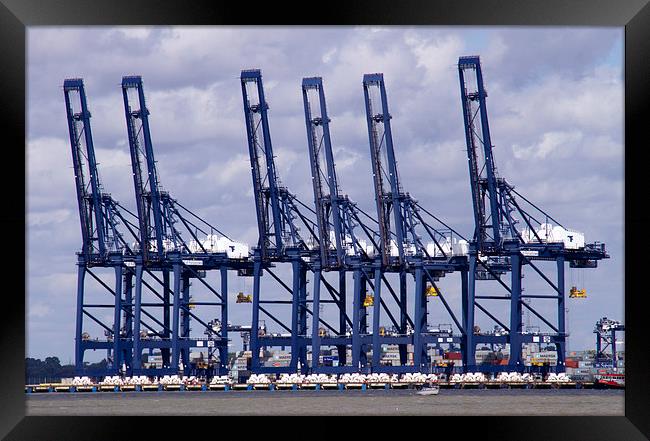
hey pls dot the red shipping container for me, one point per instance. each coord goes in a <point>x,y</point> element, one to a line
<point>572,363</point>
<point>453,356</point>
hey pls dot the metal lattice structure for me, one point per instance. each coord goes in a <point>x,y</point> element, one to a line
<point>103,244</point>
<point>159,257</point>
<point>402,231</point>
<point>606,330</point>
<point>280,239</point>
<point>499,247</point>
<point>153,306</point>
<point>175,245</point>
<point>345,242</point>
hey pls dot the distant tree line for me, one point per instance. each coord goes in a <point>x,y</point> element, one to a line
<point>51,371</point>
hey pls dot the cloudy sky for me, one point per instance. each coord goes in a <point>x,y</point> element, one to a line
<point>555,105</point>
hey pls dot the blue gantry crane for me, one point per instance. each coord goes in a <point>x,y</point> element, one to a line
<point>153,231</point>
<point>499,247</point>
<point>280,241</point>
<point>342,248</point>
<point>169,245</point>
<point>402,249</point>
<point>103,243</point>
<point>605,331</point>
<point>144,262</point>
<point>163,271</point>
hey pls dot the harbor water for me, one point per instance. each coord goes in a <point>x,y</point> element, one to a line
<point>349,402</point>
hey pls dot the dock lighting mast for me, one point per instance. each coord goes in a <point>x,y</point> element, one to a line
<point>280,240</point>
<point>499,247</point>
<point>103,245</point>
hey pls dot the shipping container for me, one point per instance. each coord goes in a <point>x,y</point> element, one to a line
<point>283,356</point>
<point>278,363</point>
<point>390,356</point>
<point>453,356</point>
<point>571,363</point>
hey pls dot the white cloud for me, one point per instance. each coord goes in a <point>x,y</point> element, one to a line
<point>345,158</point>
<point>50,176</point>
<point>136,32</point>
<point>560,144</point>
<point>236,169</point>
<point>38,310</point>
<point>56,285</point>
<point>41,219</point>
<point>327,56</point>
<point>437,55</point>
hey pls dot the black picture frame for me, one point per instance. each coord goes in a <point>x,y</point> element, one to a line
<point>634,15</point>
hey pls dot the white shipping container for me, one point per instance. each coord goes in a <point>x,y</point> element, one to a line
<point>278,356</point>
<point>390,356</point>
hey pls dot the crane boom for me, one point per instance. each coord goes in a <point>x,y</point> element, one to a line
<point>99,213</point>
<point>482,170</point>
<point>93,228</point>
<point>147,189</point>
<point>326,194</point>
<point>265,183</point>
<point>384,165</point>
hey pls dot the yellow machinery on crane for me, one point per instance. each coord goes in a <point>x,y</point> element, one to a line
<point>432,291</point>
<point>244,298</point>
<point>369,300</point>
<point>575,293</point>
<point>244,286</point>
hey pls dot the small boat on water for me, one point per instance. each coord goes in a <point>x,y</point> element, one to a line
<point>431,389</point>
<point>610,380</point>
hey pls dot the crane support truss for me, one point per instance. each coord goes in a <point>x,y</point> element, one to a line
<point>499,247</point>
<point>279,221</point>
<point>336,218</point>
<point>171,249</point>
<point>177,249</point>
<point>606,331</point>
<point>402,251</point>
<point>153,309</point>
<point>103,244</point>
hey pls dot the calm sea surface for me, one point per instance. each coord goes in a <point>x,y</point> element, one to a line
<point>371,402</point>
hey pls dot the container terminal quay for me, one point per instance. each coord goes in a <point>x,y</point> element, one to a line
<point>339,297</point>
